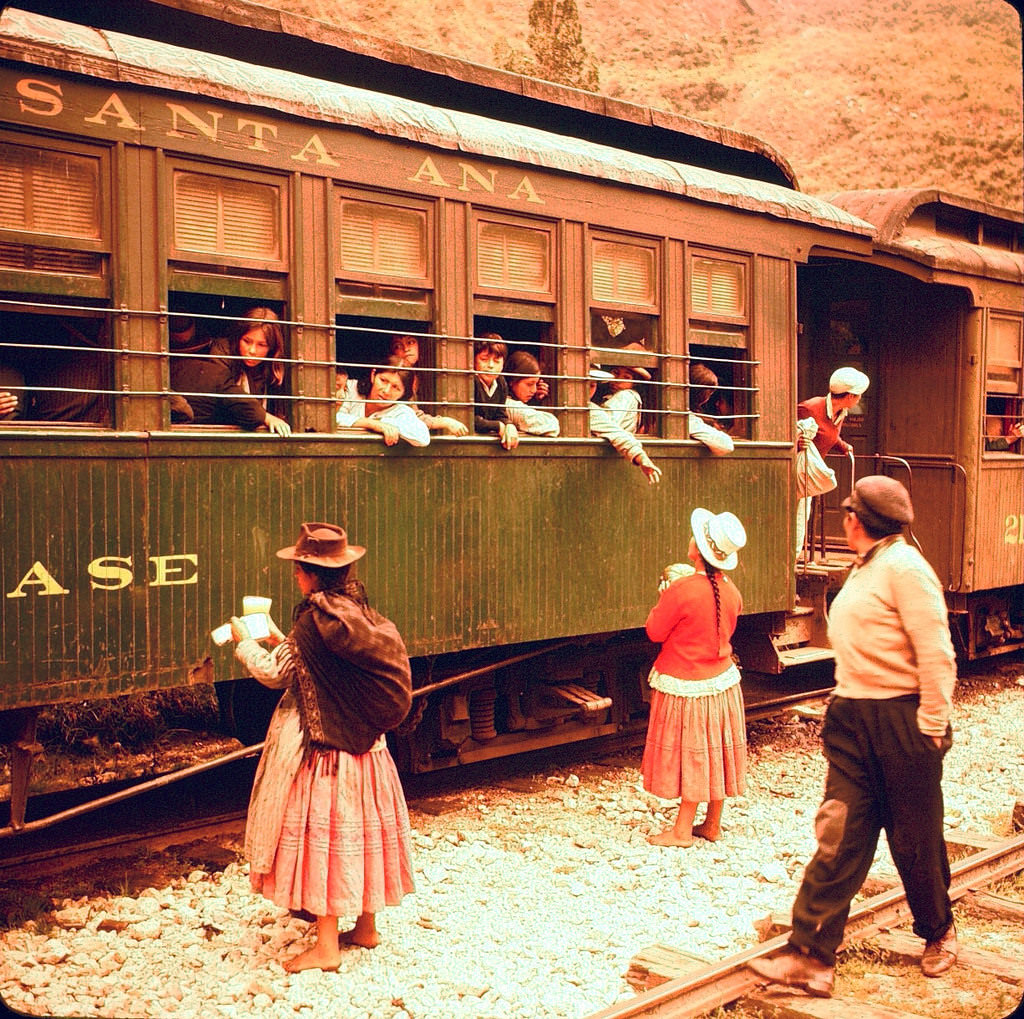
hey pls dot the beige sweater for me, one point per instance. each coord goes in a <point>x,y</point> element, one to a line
<point>890,631</point>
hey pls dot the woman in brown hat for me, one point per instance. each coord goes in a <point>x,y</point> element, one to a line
<point>328,830</point>
<point>696,749</point>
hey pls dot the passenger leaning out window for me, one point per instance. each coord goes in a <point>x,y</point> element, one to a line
<point>490,391</point>
<point>522,373</point>
<point>383,409</point>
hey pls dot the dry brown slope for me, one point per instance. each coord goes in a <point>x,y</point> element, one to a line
<point>854,93</point>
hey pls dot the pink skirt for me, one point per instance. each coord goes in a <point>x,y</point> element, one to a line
<point>696,747</point>
<point>345,843</point>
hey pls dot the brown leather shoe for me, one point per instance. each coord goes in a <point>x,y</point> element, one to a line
<point>940,955</point>
<point>794,969</point>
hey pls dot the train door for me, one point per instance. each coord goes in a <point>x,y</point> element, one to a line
<point>906,336</point>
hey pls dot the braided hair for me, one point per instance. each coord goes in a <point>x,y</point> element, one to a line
<point>712,573</point>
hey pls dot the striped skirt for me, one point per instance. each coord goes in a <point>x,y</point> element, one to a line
<point>345,844</point>
<point>696,747</point>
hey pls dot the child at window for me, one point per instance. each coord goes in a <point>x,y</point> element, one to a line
<point>383,410</point>
<point>405,352</point>
<point>623,401</point>
<point>490,391</point>
<point>524,383</point>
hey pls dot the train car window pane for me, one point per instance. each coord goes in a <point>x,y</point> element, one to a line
<point>513,258</point>
<point>49,192</point>
<point>717,287</point>
<point>225,216</point>
<point>383,240</point>
<point>623,273</point>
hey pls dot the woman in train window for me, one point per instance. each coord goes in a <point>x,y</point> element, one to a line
<point>696,749</point>
<point>255,344</point>
<point>384,410</point>
<point>328,830</point>
<point>522,372</point>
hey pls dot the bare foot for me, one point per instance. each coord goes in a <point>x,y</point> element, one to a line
<point>317,957</point>
<point>668,837</point>
<point>704,831</point>
<point>364,939</point>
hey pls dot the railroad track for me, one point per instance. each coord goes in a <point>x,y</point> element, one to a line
<point>757,708</point>
<point>706,987</point>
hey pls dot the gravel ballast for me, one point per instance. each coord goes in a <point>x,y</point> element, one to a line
<point>531,897</point>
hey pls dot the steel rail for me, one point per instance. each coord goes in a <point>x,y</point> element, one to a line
<point>725,981</point>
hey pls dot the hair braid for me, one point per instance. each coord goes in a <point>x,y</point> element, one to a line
<point>712,573</point>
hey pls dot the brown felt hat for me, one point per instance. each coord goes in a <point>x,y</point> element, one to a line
<point>322,545</point>
<point>880,500</point>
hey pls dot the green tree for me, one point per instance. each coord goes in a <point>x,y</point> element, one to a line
<point>556,42</point>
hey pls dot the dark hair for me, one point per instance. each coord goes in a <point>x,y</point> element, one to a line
<point>522,362</point>
<point>492,342</point>
<point>408,378</point>
<point>713,572</point>
<point>274,333</point>
<point>328,578</point>
<point>703,377</point>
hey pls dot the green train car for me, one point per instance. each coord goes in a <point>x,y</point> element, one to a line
<point>144,181</point>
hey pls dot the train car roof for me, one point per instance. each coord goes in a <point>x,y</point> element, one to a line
<point>111,56</point>
<point>941,230</point>
<point>292,42</point>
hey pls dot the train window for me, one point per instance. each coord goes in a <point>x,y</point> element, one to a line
<point>240,218</point>
<point>1004,385</point>
<point>719,339</point>
<point>623,273</point>
<point>382,240</point>
<point>52,218</point>
<point>58,365</point>
<point>626,345</point>
<point>624,329</point>
<point>207,373</point>
<point>514,259</point>
<point>717,288</point>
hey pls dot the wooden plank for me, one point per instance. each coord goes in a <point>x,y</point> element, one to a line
<point>971,840</point>
<point>994,906</point>
<point>909,949</point>
<point>657,964</point>
<point>786,1005</point>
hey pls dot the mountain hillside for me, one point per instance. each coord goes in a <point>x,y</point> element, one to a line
<point>853,93</point>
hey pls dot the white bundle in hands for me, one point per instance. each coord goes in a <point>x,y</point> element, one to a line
<point>673,572</point>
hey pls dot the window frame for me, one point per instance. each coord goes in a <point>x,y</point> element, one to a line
<point>31,280</point>
<point>480,292</point>
<point>220,263</point>
<point>700,322</point>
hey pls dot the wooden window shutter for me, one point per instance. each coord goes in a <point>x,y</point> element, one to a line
<point>383,240</point>
<point>49,192</point>
<point>513,258</point>
<point>717,287</point>
<point>623,273</point>
<point>1005,355</point>
<point>224,216</point>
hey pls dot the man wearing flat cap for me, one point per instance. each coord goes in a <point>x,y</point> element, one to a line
<point>845,388</point>
<point>885,734</point>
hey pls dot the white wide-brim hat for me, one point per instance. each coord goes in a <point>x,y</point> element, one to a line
<point>719,536</point>
<point>848,380</point>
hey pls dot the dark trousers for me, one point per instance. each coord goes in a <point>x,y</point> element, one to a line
<point>882,774</point>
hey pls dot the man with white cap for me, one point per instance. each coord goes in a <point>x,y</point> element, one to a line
<point>884,736</point>
<point>845,388</point>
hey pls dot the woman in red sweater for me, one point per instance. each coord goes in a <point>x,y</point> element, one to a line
<point>696,748</point>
